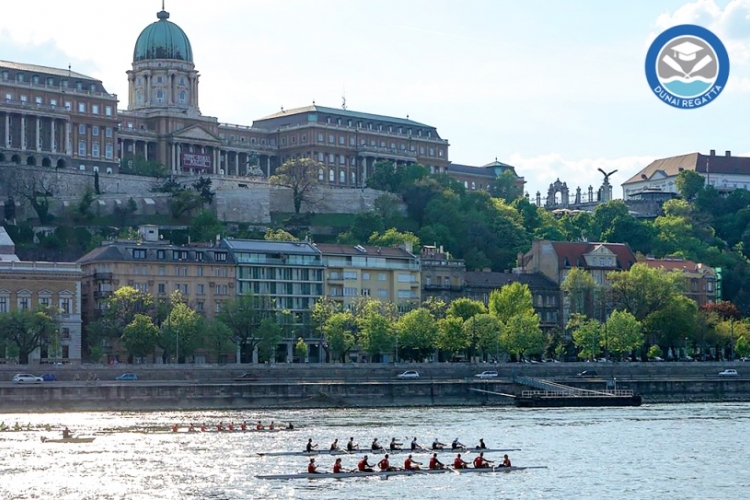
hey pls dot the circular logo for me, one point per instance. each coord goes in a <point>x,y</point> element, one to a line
<point>687,66</point>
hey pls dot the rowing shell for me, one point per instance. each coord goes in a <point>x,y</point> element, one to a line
<point>378,452</point>
<point>68,440</point>
<point>385,474</point>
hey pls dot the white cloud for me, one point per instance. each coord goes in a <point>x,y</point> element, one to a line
<point>541,171</point>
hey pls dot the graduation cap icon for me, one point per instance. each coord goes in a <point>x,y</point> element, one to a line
<point>686,51</point>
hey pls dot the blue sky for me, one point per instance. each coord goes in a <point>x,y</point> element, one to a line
<point>554,88</point>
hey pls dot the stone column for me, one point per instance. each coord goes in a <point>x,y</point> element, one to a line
<point>363,176</point>
<point>67,138</point>
<point>122,149</point>
<point>53,136</point>
<point>23,132</point>
<point>173,159</point>
<point>7,130</point>
<point>215,154</point>
<point>38,137</point>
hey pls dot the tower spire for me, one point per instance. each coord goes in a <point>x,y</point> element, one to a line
<point>163,14</point>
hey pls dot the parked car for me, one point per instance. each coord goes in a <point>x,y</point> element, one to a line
<point>127,376</point>
<point>486,374</point>
<point>409,374</point>
<point>49,377</point>
<point>729,372</point>
<point>27,378</point>
<point>246,377</point>
<point>656,359</point>
<point>587,373</point>
<point>745,359</point>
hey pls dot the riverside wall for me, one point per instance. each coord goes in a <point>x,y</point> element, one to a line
<point>336,386</point>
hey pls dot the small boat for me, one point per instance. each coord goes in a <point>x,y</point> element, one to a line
<point>68,440</point>
<point>387,474</point>
<point>378,452</point>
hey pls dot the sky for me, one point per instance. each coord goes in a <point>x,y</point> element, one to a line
<point>556,89</point>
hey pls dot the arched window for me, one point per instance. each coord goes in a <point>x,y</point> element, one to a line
<point>138,97</point>
<point>160,96</point>
<point>81,148</point>
<point>182,97</point>
<point>342,177</point>
<point>321,175</point>
<point>109,151</point>
<point>331,176</point>
<point>354,178</point>
<point>95,150</point>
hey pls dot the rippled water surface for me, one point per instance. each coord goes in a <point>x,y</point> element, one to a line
<point>655,451</point>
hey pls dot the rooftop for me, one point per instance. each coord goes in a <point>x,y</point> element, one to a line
<point>265,246</point>
<point>497,280</point>
<point>361,251</point>
<point>46,70</point>
<point>120,251</point>
<point>703,164</point>
<point>343,113</point>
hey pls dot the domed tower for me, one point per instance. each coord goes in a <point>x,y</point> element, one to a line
<point>163,74</point>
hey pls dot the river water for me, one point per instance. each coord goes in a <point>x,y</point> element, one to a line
<point>694,451</point>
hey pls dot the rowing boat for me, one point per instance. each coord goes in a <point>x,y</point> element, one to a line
<point>386,474</point>
<point>378,452</point>
<point>68,440</point>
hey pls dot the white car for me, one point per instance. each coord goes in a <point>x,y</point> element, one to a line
<point>486,374</point>
<point>729,372</point>
<point>409,374</point>
<point>26,378</point>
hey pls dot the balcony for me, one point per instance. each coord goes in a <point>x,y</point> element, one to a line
<point>102,294</point>
<point>433,286</point>
<point>103,276</point>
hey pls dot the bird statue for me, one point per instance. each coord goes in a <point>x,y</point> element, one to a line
<point>606,175</point>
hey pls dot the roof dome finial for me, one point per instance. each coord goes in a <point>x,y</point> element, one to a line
<point>163,15</point>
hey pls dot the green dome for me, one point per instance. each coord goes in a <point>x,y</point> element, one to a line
<point>163,40</point>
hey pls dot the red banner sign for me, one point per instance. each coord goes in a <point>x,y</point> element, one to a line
<point>196,160</point>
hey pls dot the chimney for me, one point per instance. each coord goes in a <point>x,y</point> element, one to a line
<point>712,152</point>
<point>728,154</point>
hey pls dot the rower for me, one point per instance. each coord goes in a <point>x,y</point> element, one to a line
<point>290,426</point>
<point>363,466</point>
<point>459,463</point>
<point>506,461</point>
<point>310,447</point>
<point>258,426</point>
<point>376,446</point>
<point>415,445</point>
<point>191,428</point>
<point>220,427</point>
<point>411,464</point>
<point>480,462</point>
<point>66,433</point>
<point>271,426</point>
<point>481,445</point>
<point>174,427</point>
<point>335,445</point>
<point>456,445</point>
<point>337,466</point>
<point>351,445</point>
<point>230,427</point>
<point>243,426</point>
<point>435,463</point>
<point>385,465</point>
<point>203,428</point>
<point>311,467</point>
<point>395,445</point>
<point>437,445</point>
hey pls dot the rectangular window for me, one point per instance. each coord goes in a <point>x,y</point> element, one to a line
<point>320,137</point>
<point>382,277</point>
<point>200,289</point>
<point>139,253</point>
<point>95,109</point>
<point>350,292</point>
<point>65,305</point>
<point>23,303</point>
<point>108,110</point>
<point>162,288</point>
<point>38,100</point>
<point>221,257</point>
<point>331,139</point>
<point>366,276</point>
<point>81,107</point>
<point>406,278</point>
<point>3,304</point>
<point>365,292</point>
<point>350,275</point>
<point>382,293</point>
<point>44,301</point>
<point>68,105</point>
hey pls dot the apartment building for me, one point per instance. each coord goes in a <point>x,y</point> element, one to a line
<point>382,273</point>
<point>700,280</point>
<point>442,275</point>
<point>26,285</point>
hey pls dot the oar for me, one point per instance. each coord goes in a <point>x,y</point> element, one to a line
<point>701,64</point>
<point>674,65</point>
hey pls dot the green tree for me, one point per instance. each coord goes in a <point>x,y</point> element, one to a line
<point>323,309</point>
<point>451,336</point>
<point>138,165</point>
<point>301,176</point>
<point>365,224</point>
<point>622,333</point>
<point>300,350</point>
<point>376,335</point>
<point>689,183</point>
<point>269,335</point>
<point>27,330</point>
<point>203,187</point>
<point>140,337</point>
<point>182,333</point>
<point>506,187</point>
<point>122,214</point>
<point>278,235</point>
<point>670,324</point>
<point>587,334</point>
<point>643,290</point>
<point>243,316</point>
<point>484,331</point>
<point>579,286</point>
<point>654,352</point>
<point>184,201</point>
<point>438,309</point>
<point>511,300</point>
<point>416,334</point>
<point>465,309</point>
<point>218,339</point>
<point>120,310</point>
<point>338,333</point>
<point>742,346</point>
<point>522,336</point>
<point>393,238</point>
<point>205,227</point>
